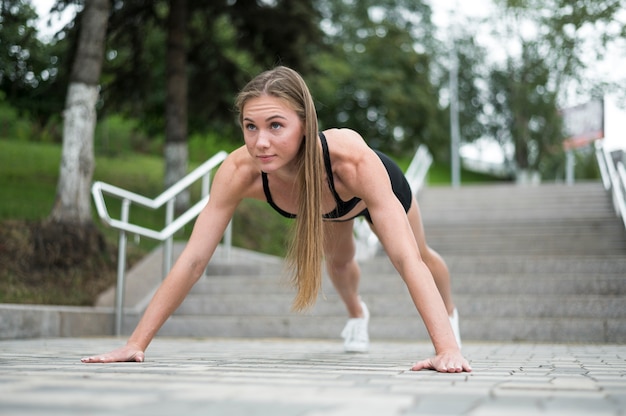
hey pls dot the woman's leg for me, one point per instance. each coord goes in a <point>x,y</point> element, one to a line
<point>341,265</point>
<point>437,266</point>
<point>343,270</point>
<point>433,260</point>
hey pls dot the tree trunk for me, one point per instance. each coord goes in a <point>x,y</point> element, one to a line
<point>73,198</point>
<point>73,204</point>
<point>176,152</point>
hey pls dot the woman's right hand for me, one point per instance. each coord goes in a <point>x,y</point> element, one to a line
<point>127,353</point>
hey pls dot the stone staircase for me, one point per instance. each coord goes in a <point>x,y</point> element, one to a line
<point>532,264</point>
<point>550,220</point>
<point>544,263</point>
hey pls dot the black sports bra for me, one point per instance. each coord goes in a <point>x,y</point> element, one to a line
<point>342,208</point>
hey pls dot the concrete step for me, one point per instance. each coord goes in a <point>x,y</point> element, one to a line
<point>507,203</point>
<point>601,330</point>
<point>525,307</point>
<point>594,283</point>
<point>508,247</point>
<point>503,219</point>
<point>400,305</point>
<point>514,264</point>
<point>540,285</point>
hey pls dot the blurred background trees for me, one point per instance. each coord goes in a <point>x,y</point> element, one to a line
<point>380,67</point>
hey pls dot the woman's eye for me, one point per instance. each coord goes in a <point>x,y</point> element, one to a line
<point>250,127</point>
<point>275,125</point>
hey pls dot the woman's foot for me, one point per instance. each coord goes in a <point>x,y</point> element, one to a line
<point>355,333</point>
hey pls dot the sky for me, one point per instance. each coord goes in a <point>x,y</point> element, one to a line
<point>444,11</point>
<point>57,22</point>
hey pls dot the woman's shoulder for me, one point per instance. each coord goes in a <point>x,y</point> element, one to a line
<point>239,158</point>
<point>239,173</point>
<point>350,156</point>
<point>346,145</point>
<point>344,136</point>
<point>357,169</point>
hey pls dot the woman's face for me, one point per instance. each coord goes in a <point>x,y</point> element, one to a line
<point>272,131</point>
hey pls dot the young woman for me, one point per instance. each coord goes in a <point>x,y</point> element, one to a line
<point>323,180</point>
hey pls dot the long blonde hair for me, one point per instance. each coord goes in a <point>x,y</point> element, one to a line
<point>305,252</point>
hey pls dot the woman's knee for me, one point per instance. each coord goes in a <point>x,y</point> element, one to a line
<point>433,260</point>
<point>339,266</point>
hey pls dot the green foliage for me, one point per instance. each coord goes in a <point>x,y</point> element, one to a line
<point>20,126</point>
<point>374,75</point>
<point>133,73</point>
<point>29,69</point>
<point>227,43</point>
<point>257,227</point>
<point>117,135</point>
<point>375,66</point>
<point>573,34</point>
<point>570,37</point>
<point>525,109</point>
<point>202,146</point>
<point>12,124</point>
<point>28,175</point>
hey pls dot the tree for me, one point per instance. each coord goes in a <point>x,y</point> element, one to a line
<point>525,110</point>
<point>73,203</point>
<point>471,58</point>
<point>226,44</point>
<point>175,151</point>
<point>572,36</point>
<point>548,67</point>
<point>29,68</point>
<point>375,73</point>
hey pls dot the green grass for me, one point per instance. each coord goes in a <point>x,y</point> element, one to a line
<point>440,174</point>
<point>29,174</point>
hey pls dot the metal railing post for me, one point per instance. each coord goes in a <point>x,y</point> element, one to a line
<point>228,240</point>
<point>621,195</point>
<point>169,242</point>
<point>206,181</point>
<point>613,178</point>
<point>121,270</point>
<point>604,173</point>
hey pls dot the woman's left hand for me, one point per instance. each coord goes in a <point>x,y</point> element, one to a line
<point>447,362</point>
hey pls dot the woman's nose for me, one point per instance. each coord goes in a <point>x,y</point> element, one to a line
<point>262,140</point>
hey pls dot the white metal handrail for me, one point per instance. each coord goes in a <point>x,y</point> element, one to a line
<point>167,198</point>
<point>366,241</point>
<point>613,178</point>
<point>418,168</point>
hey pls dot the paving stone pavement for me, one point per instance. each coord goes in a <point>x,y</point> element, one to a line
<point>284,377</point>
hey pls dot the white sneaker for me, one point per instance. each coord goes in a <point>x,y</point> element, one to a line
<point>355,335</point>
<point>454,321</point>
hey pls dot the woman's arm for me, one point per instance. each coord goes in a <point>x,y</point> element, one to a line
<point>229,186</point>
<point>365,176</point>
